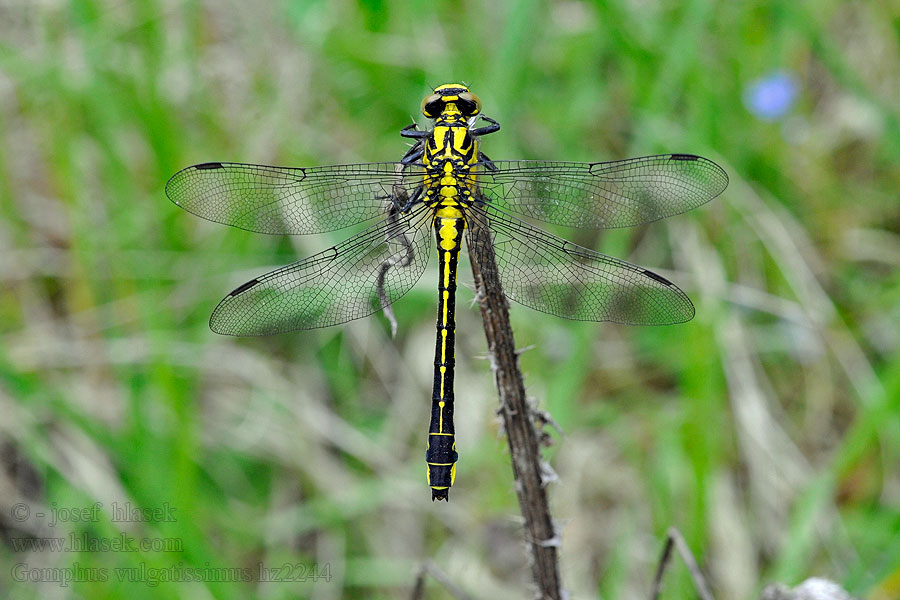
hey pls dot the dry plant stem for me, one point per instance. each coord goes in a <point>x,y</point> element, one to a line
<point>429,568</point>
<point>676,540</point>
<point>516,415</point>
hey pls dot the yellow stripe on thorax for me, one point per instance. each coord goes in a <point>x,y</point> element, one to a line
<point>438,137</point>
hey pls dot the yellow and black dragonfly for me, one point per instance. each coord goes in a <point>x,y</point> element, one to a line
<point>443,185</point>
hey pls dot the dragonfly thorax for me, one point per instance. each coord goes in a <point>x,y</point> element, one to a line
<point>449,153</point>
<point>449,150</point>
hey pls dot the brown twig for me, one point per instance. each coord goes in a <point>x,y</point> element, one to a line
<point>517,416</point>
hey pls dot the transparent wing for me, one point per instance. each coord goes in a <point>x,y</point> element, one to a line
<point>603,195</point>
<point>283,200</point>
<point>552,275</point>
<point>351,280</point>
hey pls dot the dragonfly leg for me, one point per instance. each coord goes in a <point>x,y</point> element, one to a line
<point>486,162</point>
<point>413,154</point>
<point>412,131</point>
<point>418,149</point>
<point>399,195</point>
<point>491,128</point>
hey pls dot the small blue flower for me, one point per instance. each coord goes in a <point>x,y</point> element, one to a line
<point>772,96</point>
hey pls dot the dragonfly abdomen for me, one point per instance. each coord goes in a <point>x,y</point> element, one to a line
<point>441,453</point>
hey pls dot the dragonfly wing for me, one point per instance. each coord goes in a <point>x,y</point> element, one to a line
<point>552,275</point>
<point>603,195</point>
<point>349,281</point>
<point>283,200</point>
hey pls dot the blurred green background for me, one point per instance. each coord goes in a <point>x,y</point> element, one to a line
<point>767,429</point>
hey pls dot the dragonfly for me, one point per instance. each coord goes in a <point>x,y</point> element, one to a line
<point>443,185</point>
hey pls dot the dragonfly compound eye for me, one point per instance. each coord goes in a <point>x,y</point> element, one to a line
<point>469,104</point>
<point>432,106</point>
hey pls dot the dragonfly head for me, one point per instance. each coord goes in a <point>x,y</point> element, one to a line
<point>451,99</point>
